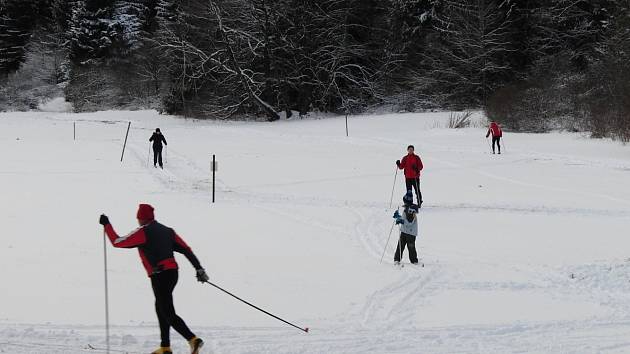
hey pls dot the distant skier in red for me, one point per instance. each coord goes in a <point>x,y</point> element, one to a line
<point>412,164</point>
<point>497,133</point>
<point>156,244</point>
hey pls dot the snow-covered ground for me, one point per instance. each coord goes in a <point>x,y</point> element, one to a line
<point>525,252</point>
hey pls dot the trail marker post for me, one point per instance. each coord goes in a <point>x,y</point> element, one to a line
<point>125,144</point>
<point>214,167</point>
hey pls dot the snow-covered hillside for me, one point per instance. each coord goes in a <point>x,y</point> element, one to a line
<point>525,252</point>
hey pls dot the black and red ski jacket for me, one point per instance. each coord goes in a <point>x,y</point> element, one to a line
<point>156,244</point>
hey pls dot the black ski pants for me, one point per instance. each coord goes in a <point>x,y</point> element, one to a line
<point>157,155</point>
<point>496,140</point>
<point>410,242</point>
<point>163,284</point>
<point>414,183</point>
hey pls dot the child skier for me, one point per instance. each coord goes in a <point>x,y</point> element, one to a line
<point>497,133</point>
<point>156,244</point>
<point>408,230</point>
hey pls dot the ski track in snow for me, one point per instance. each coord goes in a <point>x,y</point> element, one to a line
<point>169,178</point>
<point>384,321</point>
<point>389,307</point>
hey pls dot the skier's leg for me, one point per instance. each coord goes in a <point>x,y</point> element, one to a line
<point>499,143</point>
<point>418,192</point>
<point>169,277</point>
<point>411,246</point>
<point>403,243</point>
<point>154,156</point>
<point>409,183</point>
<point>160,157</point>
<point>494,141</point>
<point>165,327</point>
<point>397,255</point>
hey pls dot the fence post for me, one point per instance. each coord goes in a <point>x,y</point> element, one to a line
<point>214,170</point>
<point>125,144</point>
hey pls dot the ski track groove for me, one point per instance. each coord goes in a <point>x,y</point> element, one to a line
<point>169,178</point>
<point>387,308</point>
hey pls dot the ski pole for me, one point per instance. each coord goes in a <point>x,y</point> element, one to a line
<point>165,153</point>
<point>488,141</point>
<point>400,249</point>
<point>393,186</point>
<point>148,154</point>
<point>106,293</point>
<point>388,237</point>
<point>258,308</point>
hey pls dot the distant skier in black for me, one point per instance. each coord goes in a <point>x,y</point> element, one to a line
<point>157,138</point>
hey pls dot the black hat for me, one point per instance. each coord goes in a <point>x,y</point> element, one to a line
<point>410,146</point>
<point>157,130</point>
<point>413,209</point>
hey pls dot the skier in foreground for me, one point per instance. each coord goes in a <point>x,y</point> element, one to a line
<point>408,230</point>
<point>157,138</point>
<point>497,133</point>
<point>412,164</point>
<point>156,243</point>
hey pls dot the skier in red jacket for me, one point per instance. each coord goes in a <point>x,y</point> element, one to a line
<point>412,164</point>
<point>156,244</point>
<point>497,133</point>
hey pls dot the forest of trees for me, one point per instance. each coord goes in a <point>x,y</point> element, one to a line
<point>533,65</point>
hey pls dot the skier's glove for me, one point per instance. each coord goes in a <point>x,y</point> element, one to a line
<point>398,163</point>
<point>103,220</point>
<point>396,215</point>
<point>415,168</point>
<point>399,221</point>
<point>202,277</point>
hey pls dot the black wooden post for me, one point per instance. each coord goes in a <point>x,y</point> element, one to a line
<point>214,170</point>
<point>346,124</point>
<point>125,144</point>
<point>74,131</point>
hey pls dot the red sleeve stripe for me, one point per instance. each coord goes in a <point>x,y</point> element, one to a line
<point>181,242</point>
<point>133,239</point>
<point>111,233</point>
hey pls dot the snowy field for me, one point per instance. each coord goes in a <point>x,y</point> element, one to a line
<point>525,252</point>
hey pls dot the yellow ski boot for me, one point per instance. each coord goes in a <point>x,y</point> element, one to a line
<point>195,345</point>
<point>163,350</point>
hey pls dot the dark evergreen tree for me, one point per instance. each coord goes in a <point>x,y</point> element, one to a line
<point>535,60</point>
<point>130,21</point>
<point>472,57</point>
<point>92,31</point>
<point>17,20</point>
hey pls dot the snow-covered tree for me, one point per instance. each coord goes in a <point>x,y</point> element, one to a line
<point>17,19</point>
<point>130,20</point>
<point>472,57</point>
<point>92,31</point>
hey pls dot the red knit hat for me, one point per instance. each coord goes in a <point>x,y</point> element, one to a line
<point>145,212</point>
